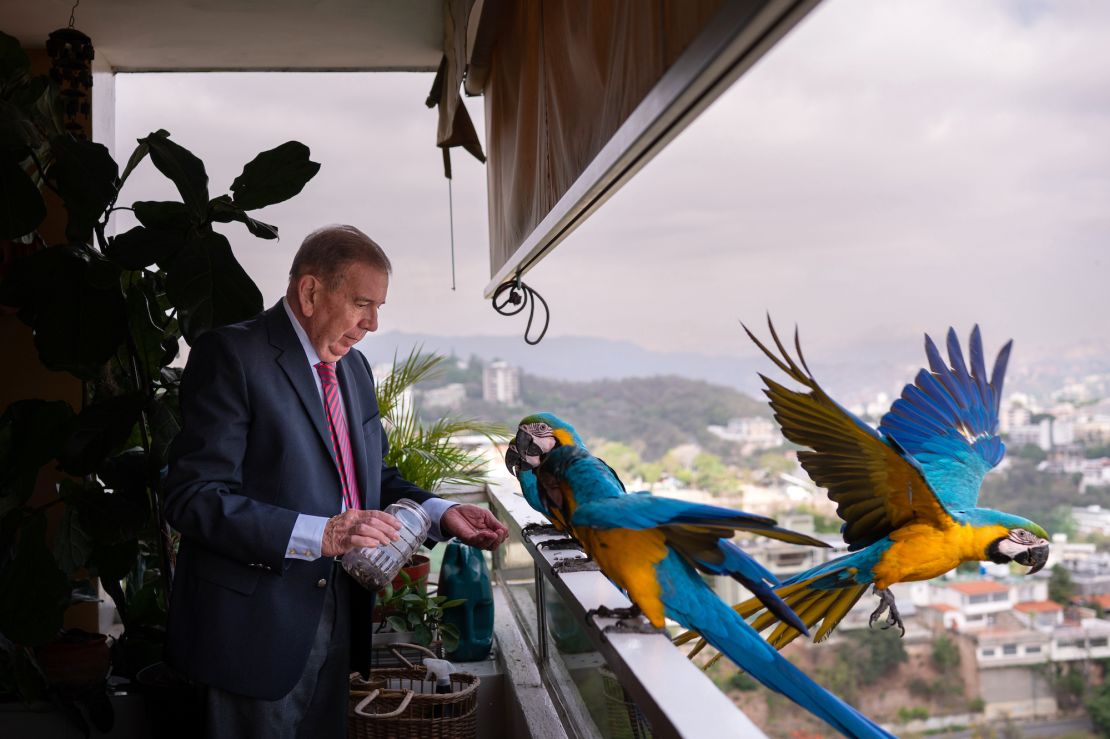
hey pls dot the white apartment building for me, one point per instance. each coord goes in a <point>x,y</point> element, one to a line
<point>501,383</point>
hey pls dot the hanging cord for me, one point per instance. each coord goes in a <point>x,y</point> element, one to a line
<point>518,295</point>
<point>450,207</point>
<point>72,11</point>
<point>451,219</point>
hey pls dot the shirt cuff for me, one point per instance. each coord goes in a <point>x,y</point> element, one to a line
<point>307,537</point>
<point>435,508</point>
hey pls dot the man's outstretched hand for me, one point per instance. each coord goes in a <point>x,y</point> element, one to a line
<point>473,525</point>
<point>353,529</point>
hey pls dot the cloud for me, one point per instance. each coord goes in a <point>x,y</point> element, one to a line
<point>889,167</point>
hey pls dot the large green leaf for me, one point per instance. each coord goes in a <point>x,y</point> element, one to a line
<point>139,155</point>
<point>21,206</point>
<point>31,434</point>
<point>147,334</point>
<point>168,215</point>
<point>108,517</point>
<point>70,295</point>
<point>209,287</point>
<point>222,210</point>
<point>19,135</point>
<point>87,178</point>
<point>36,592</point>
<point>274,176</point>
<point>164,415</point>
<point>19,673</point>
<point>14,62</point>
<point>148,604</point>
<point>141,247</point>
<point>99,430</point>
<point>112,561</point>
<point>71,543</point>
<point>184,169</point>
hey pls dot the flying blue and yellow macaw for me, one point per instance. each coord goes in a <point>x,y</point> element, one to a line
<point>907,492</point>
<point>652,548</point>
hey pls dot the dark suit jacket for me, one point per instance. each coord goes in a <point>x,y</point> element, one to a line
<point>253,452</point>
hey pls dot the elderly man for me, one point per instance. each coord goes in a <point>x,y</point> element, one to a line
<point>276,472</point>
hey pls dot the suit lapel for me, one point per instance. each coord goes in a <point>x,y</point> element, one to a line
<point>353,407</point>
<point>292,361</point>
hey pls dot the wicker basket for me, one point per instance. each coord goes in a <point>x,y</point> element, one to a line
<point>401,703</point>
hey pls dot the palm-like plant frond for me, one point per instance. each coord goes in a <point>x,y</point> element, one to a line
<point>425,454</point>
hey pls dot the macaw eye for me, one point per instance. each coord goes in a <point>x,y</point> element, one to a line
<point>538,429</point>
<point>1021,536</point>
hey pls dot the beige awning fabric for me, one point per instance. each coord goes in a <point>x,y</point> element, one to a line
<point>580,94</point>
<point>564,76</point>
<point>455,126</point>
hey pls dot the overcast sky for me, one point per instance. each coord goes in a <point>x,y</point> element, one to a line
<point>889,168</point>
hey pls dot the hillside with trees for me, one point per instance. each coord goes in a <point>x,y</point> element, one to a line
<point>650,414</point>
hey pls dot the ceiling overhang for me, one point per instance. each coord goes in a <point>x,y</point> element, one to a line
<point>244,35</point>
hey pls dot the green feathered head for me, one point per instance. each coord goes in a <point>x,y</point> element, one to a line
<point>1026,543</point>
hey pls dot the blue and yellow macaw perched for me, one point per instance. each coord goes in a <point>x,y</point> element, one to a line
<point>908,492</point>
<point>652,548</point>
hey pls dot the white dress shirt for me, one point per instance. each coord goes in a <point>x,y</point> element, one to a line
<point>308,532</point>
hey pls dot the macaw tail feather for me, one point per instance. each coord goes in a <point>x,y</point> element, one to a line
<point>812,604</point>
<point>732,636</point>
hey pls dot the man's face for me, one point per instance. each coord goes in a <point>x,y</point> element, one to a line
<point>337,319</point>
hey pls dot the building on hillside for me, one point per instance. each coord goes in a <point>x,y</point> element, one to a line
<point>1036,434</point>
<point>501,383</point>
<point>1092,519</point>
<point>1069,554</point>
<point>1091,575</point>
<point>1011,629</point>
<point>967,605</point>
<point>450,396</point>
<point>753,433</point>
<point>1014,414</point>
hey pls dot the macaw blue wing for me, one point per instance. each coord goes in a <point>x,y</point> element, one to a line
<point>877,487</point>
<point>947,420</point>
<point>646,511</point>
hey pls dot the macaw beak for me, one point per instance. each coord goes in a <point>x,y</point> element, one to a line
<point>529,449</point>
<point>512,459</point>
<point>1034,557</point>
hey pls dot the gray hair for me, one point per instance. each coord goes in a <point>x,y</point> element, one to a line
<point>326,253</point>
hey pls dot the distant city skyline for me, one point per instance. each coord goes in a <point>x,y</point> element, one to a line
<point>888,169</point>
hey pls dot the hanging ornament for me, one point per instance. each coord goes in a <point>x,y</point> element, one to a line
<point>71,54</point>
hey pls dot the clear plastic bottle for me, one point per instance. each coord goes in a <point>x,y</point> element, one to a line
<point>375,567</point>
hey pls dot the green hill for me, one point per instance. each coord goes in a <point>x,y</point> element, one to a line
<point>651,414</point>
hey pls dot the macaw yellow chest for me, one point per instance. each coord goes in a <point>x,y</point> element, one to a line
<point>628,558</point>
<point>921,551</point>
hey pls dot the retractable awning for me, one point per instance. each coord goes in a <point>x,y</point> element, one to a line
<point>580,95</point>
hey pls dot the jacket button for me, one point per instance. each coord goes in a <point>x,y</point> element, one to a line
<point>321,583</point>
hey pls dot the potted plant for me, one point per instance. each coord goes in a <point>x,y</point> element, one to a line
<point>427,456</point>
<point>111,311</point>
<point>415,615</point>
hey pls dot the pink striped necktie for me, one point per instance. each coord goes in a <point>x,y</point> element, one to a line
<point>340,439</point>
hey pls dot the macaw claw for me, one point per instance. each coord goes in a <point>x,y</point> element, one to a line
<point>632,611</point>
<point>630,620</point>
<point>562,543</point>
<point>633,626</point>
<point>535,529</point>
<point>574,564</point>
<point>886,603</point>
